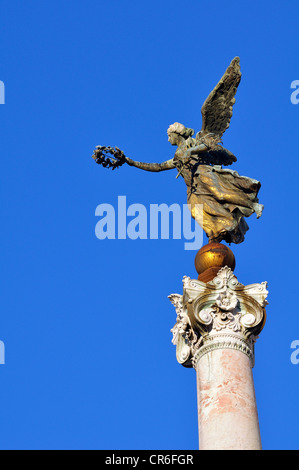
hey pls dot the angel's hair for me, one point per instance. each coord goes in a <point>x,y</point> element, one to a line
<point>181,130</point>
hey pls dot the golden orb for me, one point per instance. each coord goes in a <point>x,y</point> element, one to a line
<point>211,258</point>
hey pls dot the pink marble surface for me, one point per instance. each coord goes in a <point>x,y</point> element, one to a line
<point>226,402</point>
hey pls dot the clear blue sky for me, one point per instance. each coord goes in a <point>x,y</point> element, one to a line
<point>86,323</point>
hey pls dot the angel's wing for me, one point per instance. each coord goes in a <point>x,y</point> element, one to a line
<point>217,109</point>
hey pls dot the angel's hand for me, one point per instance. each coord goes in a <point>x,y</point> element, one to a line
<point>193,152</point>
<point>199,148</point>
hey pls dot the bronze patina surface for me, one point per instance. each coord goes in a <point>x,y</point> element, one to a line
<point>219,198</point>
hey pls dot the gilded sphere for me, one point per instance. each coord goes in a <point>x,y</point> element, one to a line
<point>214,255</point>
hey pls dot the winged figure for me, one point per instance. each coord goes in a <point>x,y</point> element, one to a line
<point>218,198</point>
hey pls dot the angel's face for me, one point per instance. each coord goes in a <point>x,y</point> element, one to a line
<point>173,138</point>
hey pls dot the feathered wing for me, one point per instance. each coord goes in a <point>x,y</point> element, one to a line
<point>217,109</point>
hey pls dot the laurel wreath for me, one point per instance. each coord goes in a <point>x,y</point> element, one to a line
<point>109,157</point>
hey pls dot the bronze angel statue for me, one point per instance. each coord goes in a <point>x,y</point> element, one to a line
<point>224,196</point>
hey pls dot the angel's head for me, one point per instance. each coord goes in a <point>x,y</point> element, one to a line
<point>178,133</point>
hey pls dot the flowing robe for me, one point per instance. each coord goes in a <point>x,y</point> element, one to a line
<point>226,198</point>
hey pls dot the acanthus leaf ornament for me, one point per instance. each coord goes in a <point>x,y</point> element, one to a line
<point>222,313</point>
<point>184,337</point>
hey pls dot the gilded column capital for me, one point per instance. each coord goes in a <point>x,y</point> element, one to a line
<point>222,313</point>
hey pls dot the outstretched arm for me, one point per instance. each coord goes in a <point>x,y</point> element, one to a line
<point>168,165</point>
<point>110,157</point>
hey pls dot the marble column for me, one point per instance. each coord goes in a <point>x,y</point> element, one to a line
<point>217,325</point>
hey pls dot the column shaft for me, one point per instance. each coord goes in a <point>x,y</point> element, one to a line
<point>227,412</point>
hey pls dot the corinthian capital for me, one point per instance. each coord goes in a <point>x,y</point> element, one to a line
<point>222,313</point>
